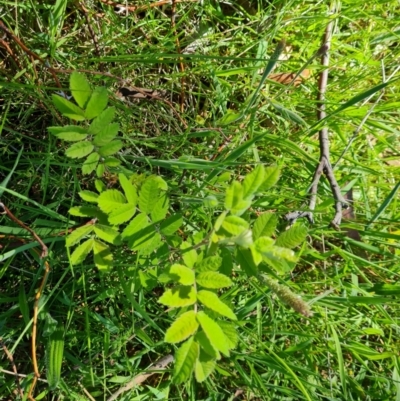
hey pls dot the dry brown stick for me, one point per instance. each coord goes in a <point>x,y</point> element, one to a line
<point>324,165</point>
<point>14,368</point>
<point>161,364</point>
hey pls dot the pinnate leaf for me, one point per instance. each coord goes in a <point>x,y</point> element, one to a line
<point>185,360</point>
<point>102,120</point>
<point>189,256</point>
<point>235,225</point>
<point>182,328</point>
<point>106,135</point>
<point>211,301</point>
<point>234,195</point>
<point>71,133</point>
<point>111,148</point>
<point>111,200</point>
<point>103,257</point>
<point>90,163</point>
<point>206,346</point>
<point>148,196</point>
<point>160,209</point>
<point>252,182</point>
<point>107,234</point>
<point>80,253</point>
<point>78,234</point>
<point>211,263</point>
<point>213,332</point>
<point>80,88</point>
<point>182,274</point>
<point>271,177</point>
<point>129,189</point>
<point>210,279</point>
<point>205,365</point>
<point>89,196</point>
<point>292,237</point>
<point>265,225</point>
<point>67,108</point>
<point>230,333</point>
<point>122,214</point>
<point>79,150</point>
<point>171,224</point>
<point>178,297</point>
<point>97,102</point>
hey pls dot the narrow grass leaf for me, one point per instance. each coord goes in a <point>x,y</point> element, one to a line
<point>185,360</point>
<point>6,180</point>
<point>185,326</point>
<point>214,280</point>
<point>213,332</point>
<point>211,301</point>
<point>384,204</point>
<point>339,354</point>
<point>54,357</point>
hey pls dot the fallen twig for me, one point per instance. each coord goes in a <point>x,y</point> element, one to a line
<point>161,364</point>
<point>324,165</point>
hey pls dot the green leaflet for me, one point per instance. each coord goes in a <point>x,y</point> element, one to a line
<point>107,234</point>
<point>80,253</point>
<point>185,359</point>
<point>90,163</point>
<point>253,181</point>
<point>103,257</point>
<point>182,274</point>
<point>214,333</point>
<point>111,200</point>
<point>106,135</point>
<point>205,365</point>
<point>129,189</point>
<point>78,234</point>
<point>271,177</point>
<point>211,279</point>
<point>102,120</point>
<point>265,225</point>
<point>178,297</point>
<point>67,108</point>
<point>80,88</point>
<point>148,195</point>
<point>235,225</point>
<point>79,150</point>
<point>97,102</point>
<point>211,301</point>
<point>185,326</point>
<point>292,237</point>
<point>211,263</point>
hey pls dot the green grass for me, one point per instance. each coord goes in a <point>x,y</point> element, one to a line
<point>114,325</point>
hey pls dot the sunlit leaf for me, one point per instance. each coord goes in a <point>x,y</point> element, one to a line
<point>185,360</point>
<point>107,234</point>
<point>182,274</point>
<point>252,182</point>
<point>103,257</point>
<point>79,150</point>
<point>210,279</point>
<point>178,297</point>
<point>80,88</point>
<point>185,326</point>
<point>97,102</point>
<point>102,120</point>
<point>80,253</point>
<point>67,108</point>
<point>90,163</point>
<point>211,301</point>
<point>78,234</point>
<point>265,225</point>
